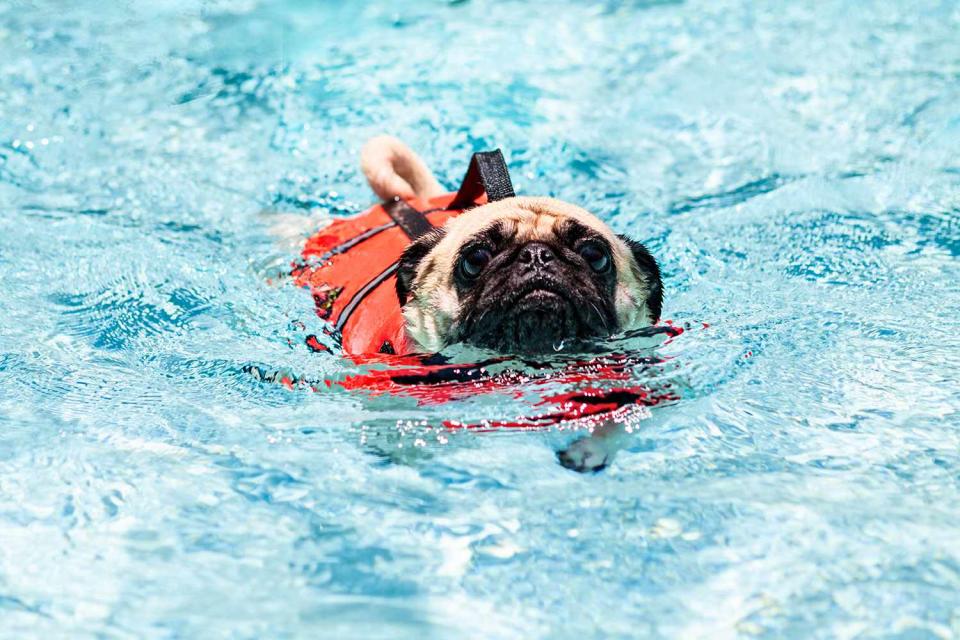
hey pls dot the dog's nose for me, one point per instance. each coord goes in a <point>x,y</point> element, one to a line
<point>536,254</point>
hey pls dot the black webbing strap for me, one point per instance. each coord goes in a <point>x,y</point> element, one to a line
<point>414,223</point>
<point>488,174</point>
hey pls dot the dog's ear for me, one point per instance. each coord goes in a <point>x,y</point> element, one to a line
<point>647,265</point>
<point>410,260</point>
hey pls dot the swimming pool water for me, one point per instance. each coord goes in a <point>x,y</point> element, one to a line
<point>794,166</point>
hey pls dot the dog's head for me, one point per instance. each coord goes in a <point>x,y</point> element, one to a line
<point>523,275</point>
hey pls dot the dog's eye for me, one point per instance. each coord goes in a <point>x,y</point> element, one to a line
<point>474,261</point>
<point>596,256</point>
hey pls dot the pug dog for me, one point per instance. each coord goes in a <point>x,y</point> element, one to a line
<point>522,275</point>
<point>518,276</point>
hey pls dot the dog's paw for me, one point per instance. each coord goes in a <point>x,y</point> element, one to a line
<point>584,455</point>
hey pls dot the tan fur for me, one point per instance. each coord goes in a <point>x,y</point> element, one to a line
<point>394,170</point>
<point>432,311</point>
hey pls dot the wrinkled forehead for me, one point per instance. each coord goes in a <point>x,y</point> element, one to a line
<point>522,220</point>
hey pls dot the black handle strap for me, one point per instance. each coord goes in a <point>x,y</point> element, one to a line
<point>414,223</point>
<point>488,174</point>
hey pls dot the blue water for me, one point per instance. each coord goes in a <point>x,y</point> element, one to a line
<point>794,166</point>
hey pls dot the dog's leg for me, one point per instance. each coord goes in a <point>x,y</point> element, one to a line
<point>595,451</point>
<point>394,170</point>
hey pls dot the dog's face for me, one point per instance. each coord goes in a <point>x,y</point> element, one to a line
<point>523,275</point>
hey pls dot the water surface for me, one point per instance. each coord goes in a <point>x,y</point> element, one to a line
<point>794,167</point>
